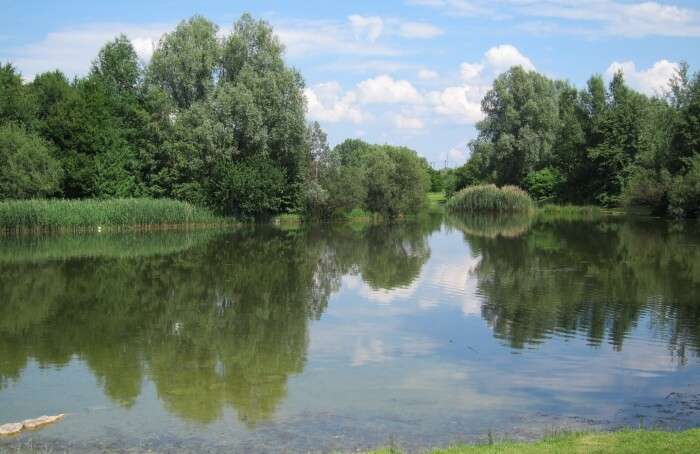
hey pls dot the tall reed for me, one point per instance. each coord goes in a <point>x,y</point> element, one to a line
<point>490,198</point>
<point>93,215</point>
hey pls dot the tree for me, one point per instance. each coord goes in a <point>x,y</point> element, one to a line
<point>118,65</point>
<point>185,61</point>
<point>28,170</point>
<point>518,133</point>
<point>16,104</point>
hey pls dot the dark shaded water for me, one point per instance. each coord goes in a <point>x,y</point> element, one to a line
<point>324,338</point>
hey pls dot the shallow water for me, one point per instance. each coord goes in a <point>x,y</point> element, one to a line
<point>338,338</point>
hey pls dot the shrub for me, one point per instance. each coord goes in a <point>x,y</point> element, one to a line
<point>684,195</point>
<point>27,169</point>
<point>543,185</point>
<point>490,198</point>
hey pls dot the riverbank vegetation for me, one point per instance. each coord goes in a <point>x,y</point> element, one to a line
<point>608,146</point>
<point>217,122</point>
<point>490,198</point>
<point>632,442</point>
<point>92,215</point>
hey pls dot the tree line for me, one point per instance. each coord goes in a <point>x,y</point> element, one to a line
<point>218,122</point>
<point>606,145</point>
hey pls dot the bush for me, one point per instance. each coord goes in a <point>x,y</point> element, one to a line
<point>27,169</point>
<point>648,188</point>
<point>543,185</point>
<point>490,198</point>
<point>684,195</point>
<point>250,189</point>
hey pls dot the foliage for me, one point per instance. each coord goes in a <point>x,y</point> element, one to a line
<point>28,170</point>
<point>603,145</point>
<point>543,185</point>
<point>50,215</point>
<point>490,198</point>
<point>392,181</point>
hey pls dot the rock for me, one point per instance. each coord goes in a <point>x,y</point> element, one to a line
<point>28,424</point>
<point>10,429</point>
<point>40,421</point>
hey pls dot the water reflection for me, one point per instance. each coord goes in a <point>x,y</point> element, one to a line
<point>222,323</point>
<point>598,278</point>
<point>215,321</point>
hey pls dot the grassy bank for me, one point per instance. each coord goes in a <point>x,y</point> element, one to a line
<point>632,442</point>
<point>489,198</point>
<point>95,215</point>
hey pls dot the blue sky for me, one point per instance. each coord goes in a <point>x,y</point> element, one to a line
<point>409,72</point>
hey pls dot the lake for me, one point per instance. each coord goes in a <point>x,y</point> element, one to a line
<point>321,338</point>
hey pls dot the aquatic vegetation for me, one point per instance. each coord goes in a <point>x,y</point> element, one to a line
<point>95,215</point>
<point>490,198</point>
<point>549,213</point>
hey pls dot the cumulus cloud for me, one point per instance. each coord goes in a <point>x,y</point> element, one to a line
<point>462,103</point>
<point>328,102</point>
<point>502,57</point>
<point>385,89</point>
<point>404,122</point>
<point>367,27</point>
<point>652,81</point>
<point>470,71</point>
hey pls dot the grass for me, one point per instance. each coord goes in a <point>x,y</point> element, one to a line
<point>95,215</point>
<point>551,212</point>
<point>490,198</point>
<point>624,442</point>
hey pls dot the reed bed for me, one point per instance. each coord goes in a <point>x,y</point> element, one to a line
<point>95,215</point>
<point>492,199</point>
<point>547,213</point>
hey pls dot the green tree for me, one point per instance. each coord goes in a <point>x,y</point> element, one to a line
<point>185,61</point>
<point>28,170</point>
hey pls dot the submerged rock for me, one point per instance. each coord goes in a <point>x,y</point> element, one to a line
<point>28,424</point>
<point>11,429</point>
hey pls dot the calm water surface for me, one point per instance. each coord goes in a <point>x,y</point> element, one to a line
<point>339,338</point>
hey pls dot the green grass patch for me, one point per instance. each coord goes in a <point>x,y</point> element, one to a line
<point>624,442</point>
<point>492,199</point>
<point>95,215</point>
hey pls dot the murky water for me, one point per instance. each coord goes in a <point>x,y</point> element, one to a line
<point>339,338</point>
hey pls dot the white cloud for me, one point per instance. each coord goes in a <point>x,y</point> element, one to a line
<point>366,27</point>
<point>421,30</point>
<point>470,71</point>
<point>505,56</point>
<point>462,104</point>
<point>426,74</point>
<point>612,17</point>
<point>72,51</point>
<point>327,102</point>
<point>385,89</point>
<point>652,81</point>
<point>309,38</point>
<point>404,122</point>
